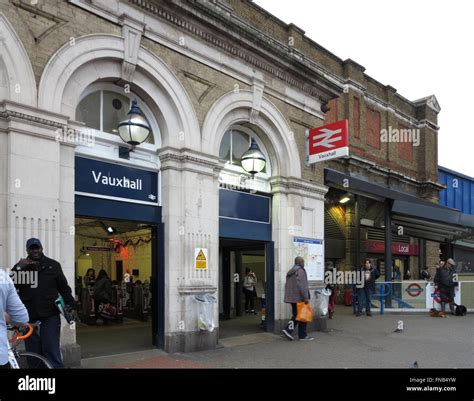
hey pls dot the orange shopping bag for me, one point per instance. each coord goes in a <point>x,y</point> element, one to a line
<point>304,312</point>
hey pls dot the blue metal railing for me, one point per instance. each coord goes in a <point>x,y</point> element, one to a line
<point>384,290</point>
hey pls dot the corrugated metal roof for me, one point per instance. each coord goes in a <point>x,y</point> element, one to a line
<point>459,192</point>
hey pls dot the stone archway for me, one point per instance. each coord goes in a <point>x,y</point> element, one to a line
<point>95,57</point>
<point>99,57</point>
<point>293,199</point>
<point>235,107</point>
<point>18,82</point>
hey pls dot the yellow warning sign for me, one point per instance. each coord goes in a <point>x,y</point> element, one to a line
<point>200,258</point>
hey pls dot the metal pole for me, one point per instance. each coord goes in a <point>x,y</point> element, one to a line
<point>357,231</point>
<point>388,249</point>
<point>421,255</point>
<point>448,250</point>
<point>357,248</point>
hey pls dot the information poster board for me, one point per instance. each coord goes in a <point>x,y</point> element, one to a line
<point>312,251</point>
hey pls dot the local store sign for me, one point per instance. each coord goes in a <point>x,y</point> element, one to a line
<point>328,142</point>
<point>112,181</point>
<point>397,248</point>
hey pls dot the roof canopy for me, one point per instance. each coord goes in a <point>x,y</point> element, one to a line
<point>418,217</point>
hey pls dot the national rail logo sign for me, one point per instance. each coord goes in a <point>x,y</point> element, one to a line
<point>328,142</point>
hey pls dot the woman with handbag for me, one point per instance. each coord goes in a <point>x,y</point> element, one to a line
<point>297,292</point>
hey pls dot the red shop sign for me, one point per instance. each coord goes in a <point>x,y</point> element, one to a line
<point>372,246</point>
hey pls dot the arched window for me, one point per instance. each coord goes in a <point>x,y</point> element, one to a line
<point>103,107</point>
<point>235,143</point>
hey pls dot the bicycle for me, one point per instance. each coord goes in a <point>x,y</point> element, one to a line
<point>25,359</point>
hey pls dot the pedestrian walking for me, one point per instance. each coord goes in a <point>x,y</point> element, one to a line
<point>331,286</point>
<point>446,283</point>
<point>17,314</point>
<point>296,290</point>
<point>40,298</point>
<point>364,294</point>
<point>250,280</point>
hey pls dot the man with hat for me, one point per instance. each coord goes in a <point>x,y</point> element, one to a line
<point>446,283</point>
<point>40,298</point>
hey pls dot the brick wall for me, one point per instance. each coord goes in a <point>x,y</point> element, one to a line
<point>355,121</point>
<point>71,22</point>
<point>373,128</point>
<point>405,149</point>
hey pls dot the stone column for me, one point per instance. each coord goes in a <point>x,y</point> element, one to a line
<point>190,213</point>
<point>37,194</point>
<point>297,210</point>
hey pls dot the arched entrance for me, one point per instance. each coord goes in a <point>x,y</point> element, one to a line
<point>255,222</point>
<point>93,71</point>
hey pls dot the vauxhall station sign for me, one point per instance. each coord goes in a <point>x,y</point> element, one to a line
<point>112,181</point>
<point>328,142</point>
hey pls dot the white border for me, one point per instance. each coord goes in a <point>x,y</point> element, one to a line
<point>126,200</point>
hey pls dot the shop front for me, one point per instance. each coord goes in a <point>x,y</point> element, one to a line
<point>401,253</point>
<point>386,224</point>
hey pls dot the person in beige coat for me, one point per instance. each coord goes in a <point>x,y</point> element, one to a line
<point>296,290</point>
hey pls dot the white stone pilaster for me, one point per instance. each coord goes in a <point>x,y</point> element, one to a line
<point>294,201</point>
<point>37,188</point>
<point>190,199</point>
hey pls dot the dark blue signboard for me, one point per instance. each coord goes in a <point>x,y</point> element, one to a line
<point>244,206</point>
<point>113,181</point>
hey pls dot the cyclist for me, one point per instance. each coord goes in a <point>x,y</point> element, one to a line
<point>10,304</point>
<point>40,299</point>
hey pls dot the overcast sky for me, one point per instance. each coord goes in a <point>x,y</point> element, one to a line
<point>420,47</point>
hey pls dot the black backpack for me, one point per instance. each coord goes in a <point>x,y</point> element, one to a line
<point>460,310</point>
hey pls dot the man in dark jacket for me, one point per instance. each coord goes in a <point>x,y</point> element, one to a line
<point>296,290</point>
<point>369,275</point>
<point>446,283</point>
<point>39,300</point>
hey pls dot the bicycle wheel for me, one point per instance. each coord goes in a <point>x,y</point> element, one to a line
<point>30,360</point>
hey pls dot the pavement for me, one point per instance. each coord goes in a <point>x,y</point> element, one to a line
<point>349,342</point>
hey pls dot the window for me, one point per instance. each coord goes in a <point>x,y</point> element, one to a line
<point>234,144</point>
<point>103,110</point>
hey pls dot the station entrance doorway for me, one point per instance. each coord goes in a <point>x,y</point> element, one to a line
<point>125,241</point>
<point>243,311</point>
<point>113,273</point>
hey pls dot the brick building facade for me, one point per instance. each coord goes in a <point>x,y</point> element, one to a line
<point>198,70</point>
